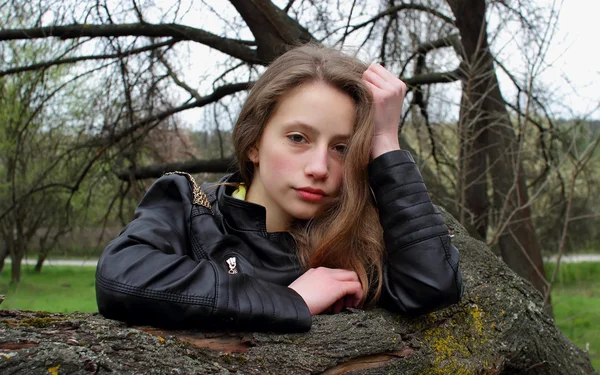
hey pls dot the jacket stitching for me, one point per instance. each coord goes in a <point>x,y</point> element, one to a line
<point>262,305</point>
<point>454,267</point>
<point>272,314</point>
<point>403,185</point>
<point>420,216</point>
<point>412,205</point>
<point>420,239</point>
<point>392,166</point>
<point>155,294</point>
<point>197,247</point>
<point>415,193</point>
<point>217,284</point>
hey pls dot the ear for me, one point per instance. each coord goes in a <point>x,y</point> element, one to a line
<point>253,155</point>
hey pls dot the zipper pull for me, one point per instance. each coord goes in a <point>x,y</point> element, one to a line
<point>232,266</point>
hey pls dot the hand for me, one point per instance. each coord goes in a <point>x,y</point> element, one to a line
<point>388,97</point>
<point>323,287</point>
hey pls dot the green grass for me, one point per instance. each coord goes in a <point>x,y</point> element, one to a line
<point>572,274</point>
<point>575,297</point>
<point>576,304</point>
<point>56,289</point>
<point>577,314</point>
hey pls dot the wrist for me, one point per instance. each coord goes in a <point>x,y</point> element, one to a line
<point>384,143</point>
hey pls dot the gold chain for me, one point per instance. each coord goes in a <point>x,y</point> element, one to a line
<point>200,197</point>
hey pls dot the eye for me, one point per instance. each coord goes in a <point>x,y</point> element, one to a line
<point>296,138</point>
<point>341,149</point>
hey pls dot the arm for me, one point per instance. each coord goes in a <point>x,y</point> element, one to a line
<point>421,271</point>
<point>147,275</point>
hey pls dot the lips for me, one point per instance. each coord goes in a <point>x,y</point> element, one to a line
<point>311,194</point>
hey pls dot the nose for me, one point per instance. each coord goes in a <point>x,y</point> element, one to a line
<point>318,164</point>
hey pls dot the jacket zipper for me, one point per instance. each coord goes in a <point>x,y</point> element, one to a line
<point>232,264</point>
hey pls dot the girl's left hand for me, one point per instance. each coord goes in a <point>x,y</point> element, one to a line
<point>388,97</point>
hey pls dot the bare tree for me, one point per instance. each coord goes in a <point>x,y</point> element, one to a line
<point>138,55</point>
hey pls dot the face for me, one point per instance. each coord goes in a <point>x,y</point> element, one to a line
<point>300,157</point>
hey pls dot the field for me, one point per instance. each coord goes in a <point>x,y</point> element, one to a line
<point>58,289</point>
<point>575,297</point>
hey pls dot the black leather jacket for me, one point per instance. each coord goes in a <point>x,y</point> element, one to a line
<point>169,267</point>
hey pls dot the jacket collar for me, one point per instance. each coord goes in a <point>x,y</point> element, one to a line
<point>242,215</point>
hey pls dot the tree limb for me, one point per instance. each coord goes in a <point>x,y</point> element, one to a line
<point>233,47</point>
<point>190,166</point>
<point>211,98</point>
<point>435,77</point>
<point>73,60</point>
<point>399,8</point>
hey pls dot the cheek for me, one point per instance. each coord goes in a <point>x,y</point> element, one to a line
<point>336,174</point>
<point>279,161</point>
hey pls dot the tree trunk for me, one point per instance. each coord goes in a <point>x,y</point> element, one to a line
<point>518,241</point>
<point>498,328</point>
<point>472,181</point>
<point>40,262</point>
<point>3,255</point>
<point>15,267</point>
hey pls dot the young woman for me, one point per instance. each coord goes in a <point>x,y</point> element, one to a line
<point>325,212</point>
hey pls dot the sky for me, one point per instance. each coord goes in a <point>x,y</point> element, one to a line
<point>573,71</point>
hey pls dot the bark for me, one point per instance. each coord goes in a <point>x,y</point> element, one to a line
<point>40,262</point>
<point>474,203</point>
<point>192,166</point>
<point>273,30</point>
<point>498,328</point>
<point>3,254</point>
<point>232,47</point>
<point>15,267</point>
<point>493,135</point>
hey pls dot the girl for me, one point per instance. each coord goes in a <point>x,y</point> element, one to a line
<point>325,212</point>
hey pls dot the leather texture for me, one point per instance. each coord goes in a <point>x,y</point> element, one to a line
<point>169,266</point>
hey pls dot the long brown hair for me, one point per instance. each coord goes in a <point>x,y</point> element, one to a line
<point>347,233</point>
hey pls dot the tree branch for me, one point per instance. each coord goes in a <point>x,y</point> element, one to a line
<point>233,47</point>
<point>217,94</point>
<point>399,8</point>
<point>435,77</point>
<point>73,60</point>
<point>190,166</point>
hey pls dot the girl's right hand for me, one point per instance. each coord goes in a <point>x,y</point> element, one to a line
<point>322,287</point>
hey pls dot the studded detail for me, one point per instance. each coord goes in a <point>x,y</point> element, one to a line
<point>199,197</point>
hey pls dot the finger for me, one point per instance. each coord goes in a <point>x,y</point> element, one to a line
<point>353,289</point>
<point>374,89</point>
<point>349,301</point>
<point>338,306</point>
<point>395,84</point>
<point>377,80</point>
<point>383,72</point>
<point>343,275</point>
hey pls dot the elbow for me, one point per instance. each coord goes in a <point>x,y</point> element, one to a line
<point>105,297</point>
<point>437,287</point>
<point>449,292</point>
<point>417,297</point>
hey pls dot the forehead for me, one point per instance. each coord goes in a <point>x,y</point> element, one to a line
<point>316,105</point>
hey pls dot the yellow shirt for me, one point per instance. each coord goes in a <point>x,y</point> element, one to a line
<point>240,192</point>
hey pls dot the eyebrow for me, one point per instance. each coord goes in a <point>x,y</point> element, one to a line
<point>311,129</point>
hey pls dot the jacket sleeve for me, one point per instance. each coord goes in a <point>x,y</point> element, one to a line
<point>421,269</point>
<point>150,275</point>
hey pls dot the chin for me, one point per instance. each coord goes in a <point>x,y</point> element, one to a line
<point>306,213</point>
